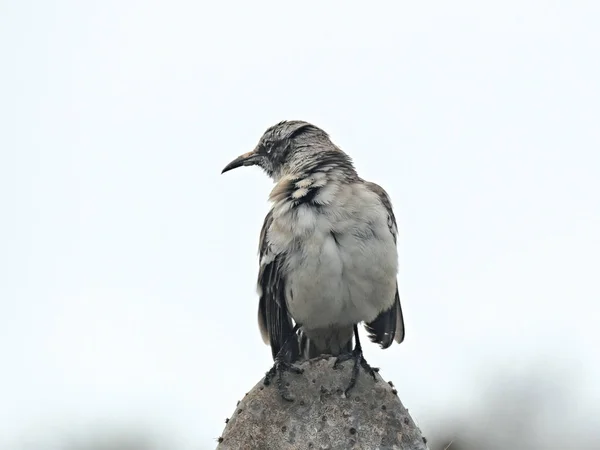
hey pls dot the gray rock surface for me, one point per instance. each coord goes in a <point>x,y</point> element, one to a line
<point>321,417</point>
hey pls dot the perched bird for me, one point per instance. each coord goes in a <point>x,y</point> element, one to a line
<point>328,257</point>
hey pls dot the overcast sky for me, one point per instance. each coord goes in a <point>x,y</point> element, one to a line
<point>128,263</point>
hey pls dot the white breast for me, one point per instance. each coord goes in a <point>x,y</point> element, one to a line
<point>343,263</point>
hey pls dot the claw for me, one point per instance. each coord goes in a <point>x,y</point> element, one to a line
<point>342,359</point>
<point>359,361</point>
<point>278,369</point>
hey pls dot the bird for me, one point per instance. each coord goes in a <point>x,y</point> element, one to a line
<point>328,258</point>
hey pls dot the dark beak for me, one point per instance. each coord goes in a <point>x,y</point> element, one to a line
<point>247,159</point>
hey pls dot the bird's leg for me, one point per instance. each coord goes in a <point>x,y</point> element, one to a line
<point>359,360</point>
<point>282,365</point>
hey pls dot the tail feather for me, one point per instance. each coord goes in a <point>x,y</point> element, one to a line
<point>388,326</point>
<point>309,350</point>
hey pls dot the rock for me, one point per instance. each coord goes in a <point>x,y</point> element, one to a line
<point>321,417</point>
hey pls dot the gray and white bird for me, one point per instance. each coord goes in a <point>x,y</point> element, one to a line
<point>328,256</point>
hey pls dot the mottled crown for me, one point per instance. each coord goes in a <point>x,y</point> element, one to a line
<point>298,147</point>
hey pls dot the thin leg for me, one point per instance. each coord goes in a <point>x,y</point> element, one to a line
<point>281,366</point>
<point>359,361</point>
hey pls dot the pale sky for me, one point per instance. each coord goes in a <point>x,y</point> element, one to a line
<point>128,263</point>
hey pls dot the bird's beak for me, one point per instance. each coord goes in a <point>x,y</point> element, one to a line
<point>247,159</point>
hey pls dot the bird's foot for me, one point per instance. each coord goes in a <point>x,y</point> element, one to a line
<point>359,361</point>
<point>278,369</point>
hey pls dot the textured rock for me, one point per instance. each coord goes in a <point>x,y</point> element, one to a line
<point>321,417</point>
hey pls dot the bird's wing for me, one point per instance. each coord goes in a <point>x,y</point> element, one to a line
<point>274,320</point>
<point>389,325</point>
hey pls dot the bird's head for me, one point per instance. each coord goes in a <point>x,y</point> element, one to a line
<point>288,147</point>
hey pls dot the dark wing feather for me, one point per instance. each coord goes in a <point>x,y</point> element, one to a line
<point>389,325</point>
<point>274,320</point>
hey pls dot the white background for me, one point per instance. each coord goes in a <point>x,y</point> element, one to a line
<point>128,263</point>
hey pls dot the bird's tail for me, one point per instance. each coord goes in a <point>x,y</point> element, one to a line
<point>309,350</point>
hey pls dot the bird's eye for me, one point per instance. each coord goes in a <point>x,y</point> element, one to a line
<point>268,146</point>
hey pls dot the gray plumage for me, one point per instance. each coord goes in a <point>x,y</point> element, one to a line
<point>328,257</point>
